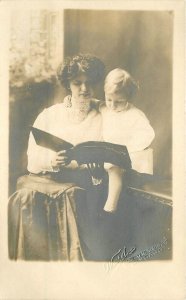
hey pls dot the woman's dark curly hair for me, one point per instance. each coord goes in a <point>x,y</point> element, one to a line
<point>92,66</point>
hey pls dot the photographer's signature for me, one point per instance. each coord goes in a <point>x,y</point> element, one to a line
<point>129,255</point>
<point>122,254</point>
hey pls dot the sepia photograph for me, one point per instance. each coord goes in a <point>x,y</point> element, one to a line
<point>95,182</point>
<point>101,82</point>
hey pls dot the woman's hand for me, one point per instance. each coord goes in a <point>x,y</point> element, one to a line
<point>60,159</point>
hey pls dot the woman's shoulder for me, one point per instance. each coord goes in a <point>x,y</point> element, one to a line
<point>53,109</point>
<point>50,113</point>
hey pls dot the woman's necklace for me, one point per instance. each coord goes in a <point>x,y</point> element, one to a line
<point>77,109</point>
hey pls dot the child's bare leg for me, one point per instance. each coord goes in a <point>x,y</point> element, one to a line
<point>115,175</point>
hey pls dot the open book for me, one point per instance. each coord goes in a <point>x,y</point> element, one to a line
<point>87,152</point>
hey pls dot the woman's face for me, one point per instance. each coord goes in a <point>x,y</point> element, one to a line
<point>115,101</point>
<point>81,87</point>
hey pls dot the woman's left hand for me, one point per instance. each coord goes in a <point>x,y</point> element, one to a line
<point>60,159</point>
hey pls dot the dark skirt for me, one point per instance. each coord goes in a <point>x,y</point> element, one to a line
<point>60,217</point>
<point>55,217</point>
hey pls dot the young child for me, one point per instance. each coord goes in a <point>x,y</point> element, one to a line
<point>124,124</point>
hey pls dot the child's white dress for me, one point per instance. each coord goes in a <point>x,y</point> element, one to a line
<point>132,129</point>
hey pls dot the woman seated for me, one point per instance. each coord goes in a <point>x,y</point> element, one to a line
<point>57,221</point>
<point>74,120</point>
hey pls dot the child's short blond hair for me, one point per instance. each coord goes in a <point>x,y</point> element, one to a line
<point>120,81</point>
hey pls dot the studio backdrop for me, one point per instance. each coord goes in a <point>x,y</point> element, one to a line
<point>138,41</point>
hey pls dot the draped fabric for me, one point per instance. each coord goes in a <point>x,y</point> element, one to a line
<point>49,220</point>
<point>43,220</point>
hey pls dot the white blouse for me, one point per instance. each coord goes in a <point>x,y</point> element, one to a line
<point>55,120</point>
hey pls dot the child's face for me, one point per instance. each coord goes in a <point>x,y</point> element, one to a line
<point>115,102</point>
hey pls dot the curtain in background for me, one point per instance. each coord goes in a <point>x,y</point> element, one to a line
<point>36,49</point>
